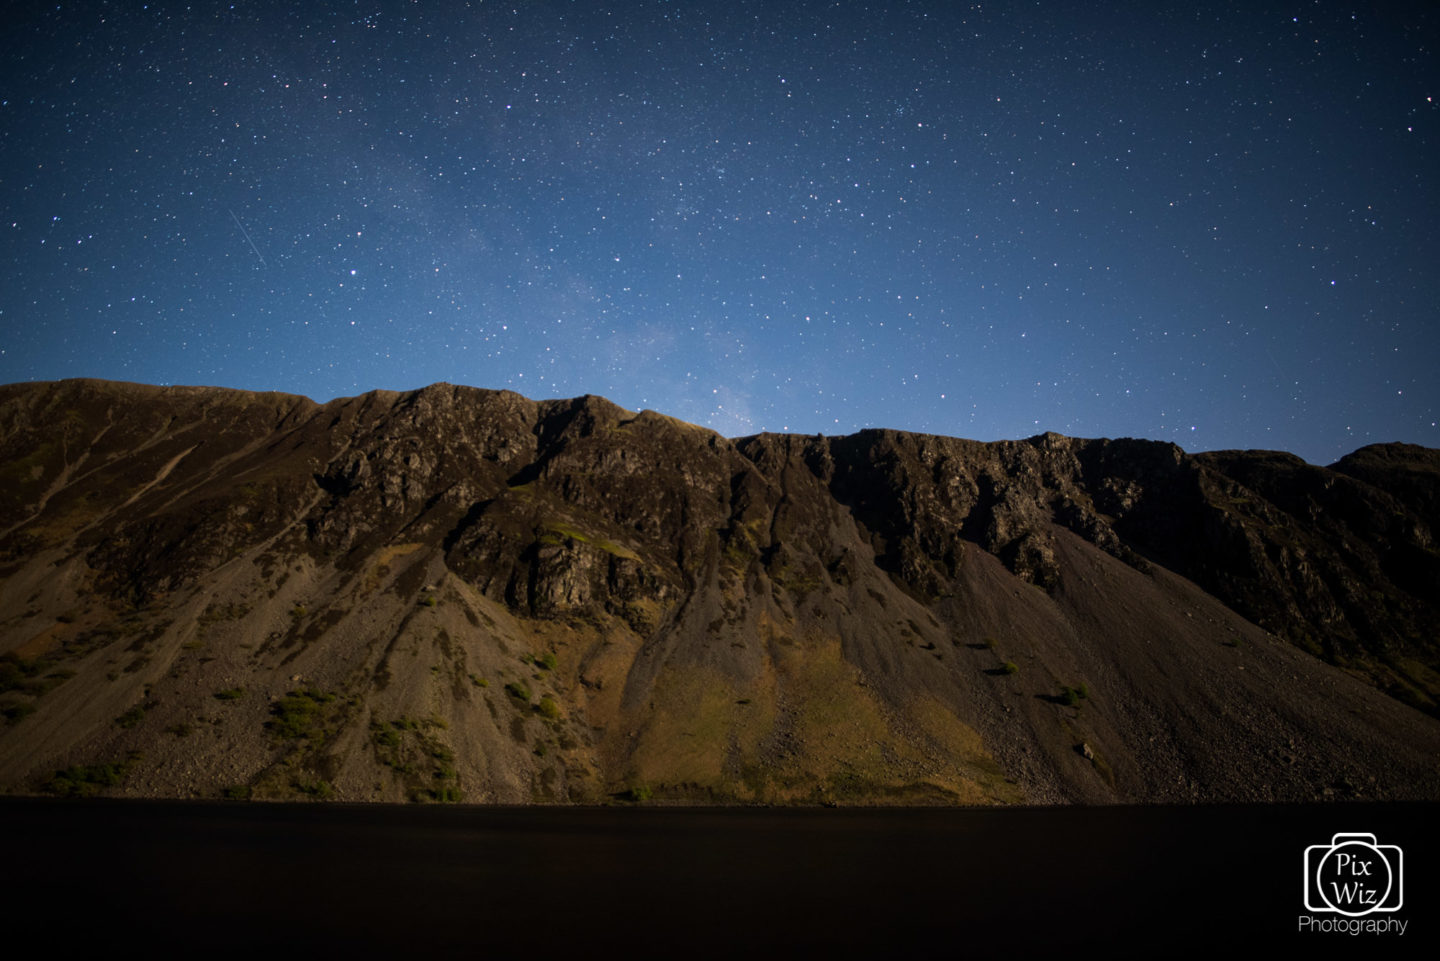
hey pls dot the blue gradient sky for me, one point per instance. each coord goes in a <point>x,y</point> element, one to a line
<point>1211,224</point>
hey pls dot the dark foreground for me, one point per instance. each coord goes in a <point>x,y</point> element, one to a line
<point>372,881</point>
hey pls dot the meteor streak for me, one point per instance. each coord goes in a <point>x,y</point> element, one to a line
<point>246,233</point>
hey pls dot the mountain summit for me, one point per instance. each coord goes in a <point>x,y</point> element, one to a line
<point>461,594</point>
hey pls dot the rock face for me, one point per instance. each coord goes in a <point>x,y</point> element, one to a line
<point>459,594</point>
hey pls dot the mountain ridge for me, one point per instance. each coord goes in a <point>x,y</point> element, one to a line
<point>453,592</point>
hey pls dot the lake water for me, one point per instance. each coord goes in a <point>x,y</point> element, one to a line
<point>688,882</point>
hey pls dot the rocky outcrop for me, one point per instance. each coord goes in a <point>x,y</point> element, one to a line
<point>458,593</point>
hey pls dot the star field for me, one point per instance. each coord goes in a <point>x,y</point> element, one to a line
<point>1211,224</point>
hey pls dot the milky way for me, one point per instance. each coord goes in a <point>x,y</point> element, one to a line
<point>1211,224</point>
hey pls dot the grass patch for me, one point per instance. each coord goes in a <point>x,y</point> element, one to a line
<point>548,709</point>
<point>518,690</point>
<point>557,533</point>
<point>1010,667</point>
<point>319,789</point>
<point>229,694</point>
<point>84,780</point>
<point>424,763</point>
<point>134,716</point>
<point>31,676</point>
<point>299,714</point>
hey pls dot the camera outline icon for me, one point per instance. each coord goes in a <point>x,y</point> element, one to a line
<point>1353,860</point>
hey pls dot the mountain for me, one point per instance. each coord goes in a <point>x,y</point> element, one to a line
<point>460,594</point>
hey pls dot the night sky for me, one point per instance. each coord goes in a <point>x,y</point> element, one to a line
<point>1214,224</point>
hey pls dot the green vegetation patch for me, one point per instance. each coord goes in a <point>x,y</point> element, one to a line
<point>796,581</point>
<point>317,788</point>
<point>740,549</point>
<point>134,716</point>
<point>31,676</point>
<point>300,714</point>
<point>422,761</point>
<point>556,533</point>
<point>84,780</point>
